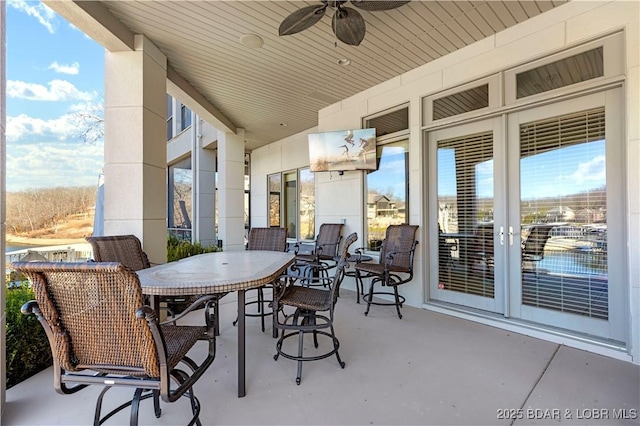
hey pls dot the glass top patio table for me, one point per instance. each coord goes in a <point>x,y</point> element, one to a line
<point>218,273</point>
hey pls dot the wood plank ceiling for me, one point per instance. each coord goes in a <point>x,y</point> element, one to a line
<point>276,90</point>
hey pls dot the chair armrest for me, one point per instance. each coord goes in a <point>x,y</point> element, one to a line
<point>147,313</point>
<point>30,307</point>
<point>389,256</point>
<point>207,301</point>
<point>297,275</point>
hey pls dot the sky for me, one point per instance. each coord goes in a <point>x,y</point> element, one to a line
<point>53,72</point>
<point>568,170</point>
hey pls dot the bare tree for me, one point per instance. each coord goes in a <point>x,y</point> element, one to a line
<point>90,123</point>
<point>41,208</point>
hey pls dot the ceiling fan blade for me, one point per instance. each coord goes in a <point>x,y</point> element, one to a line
<point>348,25</point>
<point>301,19</point>
<point>376,5</point>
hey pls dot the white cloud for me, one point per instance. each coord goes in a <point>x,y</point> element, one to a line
<point>53,164</point>
<point>590,171</point>
<point>58,90</point>
<point>72,69</point>
<point>24,127</point>
<point>42,13</point>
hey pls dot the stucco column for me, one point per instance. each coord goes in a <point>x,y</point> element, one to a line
<point>204,190</point>
<point>231,190</point>
<point>135,148</point>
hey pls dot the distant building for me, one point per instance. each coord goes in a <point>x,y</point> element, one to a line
<point>561,214</point>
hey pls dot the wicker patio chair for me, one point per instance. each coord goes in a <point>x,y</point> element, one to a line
<point>127,249</point>
<point>325,251</point>
<point>270,239</point>
<point>394,268</point>
<point>101,333</point>
<point>314,310</point>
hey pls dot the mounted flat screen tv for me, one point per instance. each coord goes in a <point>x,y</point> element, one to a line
<point>343,150</point>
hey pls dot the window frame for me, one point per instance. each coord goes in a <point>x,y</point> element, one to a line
<point>282,197</point>
<point>613,61</point>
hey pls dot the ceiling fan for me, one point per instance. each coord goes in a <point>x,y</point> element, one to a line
<point>347,23</point>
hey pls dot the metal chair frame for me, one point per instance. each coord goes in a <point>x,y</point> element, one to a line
<point>314,310</point>
<point>270,239</point>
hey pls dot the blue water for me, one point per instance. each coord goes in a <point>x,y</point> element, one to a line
<point>573,263</point>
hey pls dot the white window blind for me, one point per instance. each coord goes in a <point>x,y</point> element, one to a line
<point>465,214</point>
<point>563,211</point>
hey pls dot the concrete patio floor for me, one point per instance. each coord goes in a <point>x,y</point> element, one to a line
<point>427,368</point>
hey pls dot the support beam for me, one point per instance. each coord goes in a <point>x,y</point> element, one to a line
<point>136,147</point>
<point>231,190</point>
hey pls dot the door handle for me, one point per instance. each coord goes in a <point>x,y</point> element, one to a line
<point>501,233</point>
<point>511,235</point>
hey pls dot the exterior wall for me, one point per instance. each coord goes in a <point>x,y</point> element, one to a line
<point>566,26</point>
<point>287,154</point>
<point>198,141</point>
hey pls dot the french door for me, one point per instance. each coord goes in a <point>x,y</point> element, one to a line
<point>464,165</point>
<point>528,215</point>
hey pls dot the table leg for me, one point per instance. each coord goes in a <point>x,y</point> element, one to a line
<point>241,345</point>
<point>154,302</point>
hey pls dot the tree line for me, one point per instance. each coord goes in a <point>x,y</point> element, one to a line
<point>46,207</point>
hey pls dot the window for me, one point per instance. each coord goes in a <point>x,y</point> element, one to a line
<point>180,199</point>
<point>275,190</point>
<point>575,263</point>
<point>292,202</point>
<point>247,193</point>
<point>574,69</point>
<point>461,102</point>
<point>387,191</point>
<point>185,117</point>
<point>169,117</point>
<point>387,188</point>
<point>564,71</point>
<point>307,205</point>
<point>389,122</point>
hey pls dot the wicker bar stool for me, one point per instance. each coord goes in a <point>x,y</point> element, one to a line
<point>127,249</point>
<point>394,268</point>
<point>270,239</point>
<point>325,251</point>
<point>96,321</point>
<point>314,310</point>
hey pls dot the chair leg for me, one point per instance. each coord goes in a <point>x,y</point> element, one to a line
<point>135,405</point>
<point>216,314</point>
<point>96,417</point>
<point>398,304</point>
<point>195,408</point>
<point>370,297</point>
<point>359,287</point>
<point>300,349</point>
<point>336,345</point>
<point>156,403</point>
<point>261,306</point>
